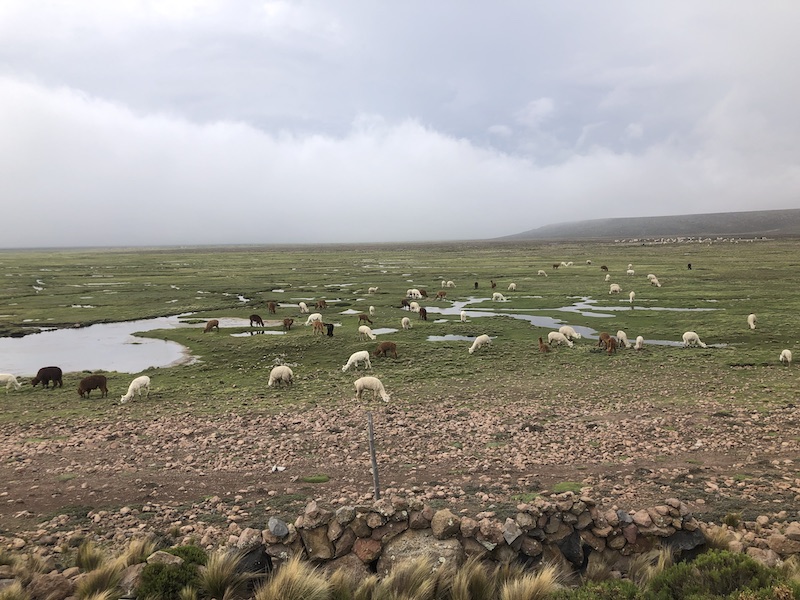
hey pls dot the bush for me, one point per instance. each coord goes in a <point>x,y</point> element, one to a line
<point>191,554</point>
<point>612,589</point>
<point>712,575</point>
<point>166,581</point>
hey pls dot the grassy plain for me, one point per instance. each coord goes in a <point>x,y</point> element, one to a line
<point>740,371</point>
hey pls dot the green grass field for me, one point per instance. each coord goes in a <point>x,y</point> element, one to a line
<point>732,279</point>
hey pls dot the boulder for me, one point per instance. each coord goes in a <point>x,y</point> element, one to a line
<point>50,586</point>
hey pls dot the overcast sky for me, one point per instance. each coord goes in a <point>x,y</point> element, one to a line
<point>143,122</point>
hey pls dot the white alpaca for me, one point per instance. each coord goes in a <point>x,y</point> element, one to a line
<point>314,317</point>
<point>639,343</point>
<point>630,272</point>
<point>136,386</point>
<point>563,264</point>
<point>371,311</point>
<point>358,357</point>
<point>630,266</point>
<point>608,277</point>
<point>9,380</point>
<point>280,375</point>
<point>414,307</point>
<point>372,290</point>
<point>614,289</point>
<point>498,297</point>
<point>414,293</point>
<point>451,284</point>
<point>786,357</point>
<point>622,340</point>
<point>631,296</point>
<point>588,262</point>
<point>463,316</point>
<point>570,263</point>
<point>480,341</point>
<point>690,338</point>
<point>371,383</point>
<point>650,277</point>
<point>569,333</point>
<point>365,332</point>
<point>444,283</point>
<point>303,307</point>
<point>751,320</point>
<point>556,337</point>
<point>654,281</point>
<point>405,323</point>
<point>512,287</point>
<point>542,272</point>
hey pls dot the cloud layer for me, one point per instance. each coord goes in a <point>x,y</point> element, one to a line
<point>189,122</point>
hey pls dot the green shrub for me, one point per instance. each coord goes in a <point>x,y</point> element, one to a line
<point>612,589</point>
<point>712,575</point>
<point>166,581</point>
<point>191,554</point>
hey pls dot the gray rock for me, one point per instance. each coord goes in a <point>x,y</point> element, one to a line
<point>277,527</point>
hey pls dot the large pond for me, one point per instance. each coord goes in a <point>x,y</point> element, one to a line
<point>105,346</point>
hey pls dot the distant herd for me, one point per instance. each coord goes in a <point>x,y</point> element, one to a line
<point>282,374</point>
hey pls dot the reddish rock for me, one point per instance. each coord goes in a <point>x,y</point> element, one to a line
<point>367,549</point>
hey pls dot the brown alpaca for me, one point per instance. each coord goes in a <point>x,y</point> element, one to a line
<point>271,307</point>
<point>604,268</point>
<point>441,295</point>
<point>556,265</point>
<point>611,346</point>
<point>318,328</point>
<point>423,314</point>
<point>257,320</point>
<point>405,304</point>
<point>287,324</point>
<point>543,347</point>
<point>212,324</point>
<point>494,285</point>
<point>603,341</point>
<point>364,317</point>
<point>321,304</point>
<point>385,349</point>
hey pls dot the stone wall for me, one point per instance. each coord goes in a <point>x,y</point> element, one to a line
<point>566,527</point>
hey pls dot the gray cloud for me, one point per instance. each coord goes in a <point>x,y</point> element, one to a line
<point>199,121</point>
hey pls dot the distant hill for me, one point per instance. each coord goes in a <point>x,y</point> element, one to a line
<point>769,223</point>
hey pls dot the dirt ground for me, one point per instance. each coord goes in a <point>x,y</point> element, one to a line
<point>719,459</point>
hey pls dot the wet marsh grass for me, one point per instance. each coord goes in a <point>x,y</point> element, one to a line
<point>231,372</point>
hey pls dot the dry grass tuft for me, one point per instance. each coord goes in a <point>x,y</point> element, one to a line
<point>473,582</point>
<point>533,586</point>
<point>15,591</point>
<point>89,556</point>
<point>137,551</point>
<point>644,567</point>
<point>294,580</point>
<point>220,577</point>
<point>717,537</point>
<point>415,578</point>
<point>103,579</point>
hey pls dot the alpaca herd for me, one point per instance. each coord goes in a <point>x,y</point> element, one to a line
<point>282,375</point>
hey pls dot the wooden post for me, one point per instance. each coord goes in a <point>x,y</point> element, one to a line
<point>374,460</point>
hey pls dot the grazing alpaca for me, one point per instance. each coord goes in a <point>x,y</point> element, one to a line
<point>287,324</point>
<point>371,383</point>
<point>543,347</point>
<point>136,386</point>
<point>405,304</point>
<point>365,332</point>
<point>405,323</point>
<point>257,320</point>
<point>317,328</point>
<point>93,382</point>
<point>47,374</point>
<point>362,356</point>
<point>611,346</point>
<point>329,329</point>
<point>9,380</point>
<point>602,341</point>
<point>604,268</point>
<point>321,304</point>
<point>212,324</point>
<point>371,311</point>
<point>271,308</point>
<point>494,285</point>
<point>280,375</point>
<point>751,320</point>
<point>476,285</point>
<point>364,317</point>
<point>385,349</point>
<point>441,294</point>
<point>423,314</point>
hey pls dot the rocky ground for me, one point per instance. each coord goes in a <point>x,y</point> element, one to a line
<point>162,472</point>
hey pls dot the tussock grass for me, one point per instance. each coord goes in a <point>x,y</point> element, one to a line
<point>717,537</point>
<point>103,579</point>
<point>137,551</point>
<point>294,580</point>
<point>15,591</point>
<point>532,586</point>
<point>473,581</point>
<point>89,556</point>
<point>644,567</point>
<point>221,578</point>
<point>410,579</point>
